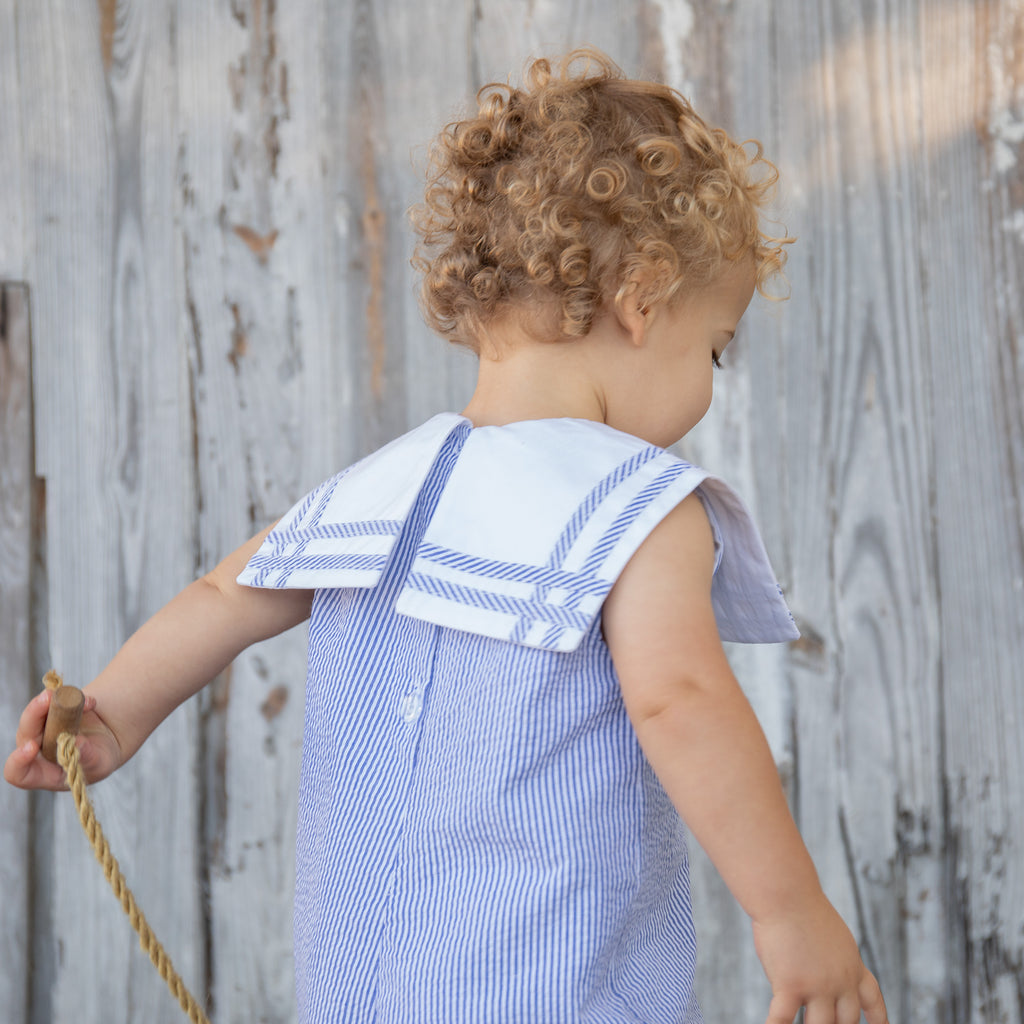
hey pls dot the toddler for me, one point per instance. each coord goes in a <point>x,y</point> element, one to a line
<point>516,690</point>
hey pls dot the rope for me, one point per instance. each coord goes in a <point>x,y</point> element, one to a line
<point>67,754</point>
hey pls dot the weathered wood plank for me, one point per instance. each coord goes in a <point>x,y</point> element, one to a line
<point>368,308</point>
<point>228,237</point>
<point>17,549</point>
<point>978,503</point>
<point>109,429</point>
<point>269,402</point>
<point>14,219</point>
<point>70,289</point>
<point>878,823</point>
<point>859,490</point>
<point>157,518</point>
<point>407,111</point>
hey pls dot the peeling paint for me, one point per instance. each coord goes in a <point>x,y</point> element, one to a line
<point>268,83</point>
<point>239,339</point>
<point>108,29</point>
<point>1005,122</point>
<point>275,702</point>
<point>870,390</point>
<point>1007,134</point>
<point>236,82</point>
<point>259,245</point>
<point>220,692</point>
<point>373,238</point>
<point>810,645</point>
<point>1015,224</point>
<point>283,90</point>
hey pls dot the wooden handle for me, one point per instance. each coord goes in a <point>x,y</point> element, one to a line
<point>65,715</point>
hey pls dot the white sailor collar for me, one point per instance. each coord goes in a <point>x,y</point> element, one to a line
<point>531,530</point>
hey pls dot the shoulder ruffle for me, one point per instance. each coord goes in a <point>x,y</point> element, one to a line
<point>533,527</point>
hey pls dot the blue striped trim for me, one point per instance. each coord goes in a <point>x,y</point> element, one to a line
<point>551,637</point>
<point>320,499</point>
<point>628,516</point>
<point>264,565</point>
<point>563,545</point>
<point>517,572</point>
<point>594,498</point>
<point>314,495</point>
<point>332,531</point>
<point>526,610</point>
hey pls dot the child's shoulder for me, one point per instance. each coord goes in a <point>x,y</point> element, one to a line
<point>660,611</point>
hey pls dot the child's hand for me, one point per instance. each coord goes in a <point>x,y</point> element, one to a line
<point>26,767</point>
<point>812,960</point>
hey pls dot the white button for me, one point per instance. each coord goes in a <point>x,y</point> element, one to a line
<point>410,707</point>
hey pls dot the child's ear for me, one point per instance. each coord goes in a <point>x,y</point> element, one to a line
<point>631,311</point>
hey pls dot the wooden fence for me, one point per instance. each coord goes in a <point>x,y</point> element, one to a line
<point>206,307</point>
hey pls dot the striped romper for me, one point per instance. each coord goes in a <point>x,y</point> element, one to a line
<point>480,838</point>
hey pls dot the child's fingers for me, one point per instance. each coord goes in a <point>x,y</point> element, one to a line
<point>845,1010</point>
<point>848,1009</point>
<point>823,1010</point>
<point>871,1000</point>
<point>782,1009</point>
<point>33,719</point>
<point>26,769</point>
<point>17,765</point>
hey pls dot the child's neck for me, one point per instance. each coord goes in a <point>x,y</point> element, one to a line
<point>532,382</point>
<point>520,378</point>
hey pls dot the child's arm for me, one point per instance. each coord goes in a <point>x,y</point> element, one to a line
<point>705,745</point>
<point>171,657</point>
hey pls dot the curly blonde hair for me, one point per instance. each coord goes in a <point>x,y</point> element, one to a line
<point>564,191</point>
